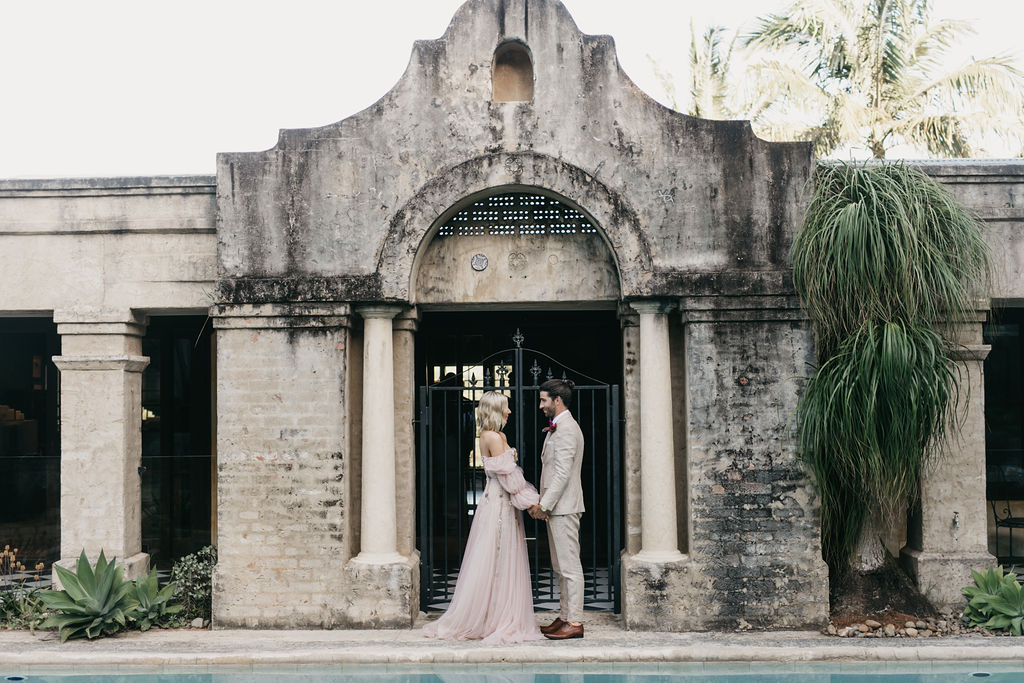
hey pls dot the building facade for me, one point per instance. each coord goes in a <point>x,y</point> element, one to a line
<point>279,338</point>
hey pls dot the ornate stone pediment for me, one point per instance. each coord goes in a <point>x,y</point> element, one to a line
<point>340,212</point>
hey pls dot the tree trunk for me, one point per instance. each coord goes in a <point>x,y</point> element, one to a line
<point>869,555</point>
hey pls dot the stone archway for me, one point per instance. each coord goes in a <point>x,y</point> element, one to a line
<point>507,259</point>
<point>412,229</point>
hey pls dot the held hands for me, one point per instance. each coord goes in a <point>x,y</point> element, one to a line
<point>537,513</point>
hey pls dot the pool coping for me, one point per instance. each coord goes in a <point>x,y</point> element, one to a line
<point>604,645</point>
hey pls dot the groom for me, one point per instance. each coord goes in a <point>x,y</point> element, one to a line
<point>561,504</point>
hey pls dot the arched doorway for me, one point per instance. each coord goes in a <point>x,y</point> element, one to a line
<point>547,307</point>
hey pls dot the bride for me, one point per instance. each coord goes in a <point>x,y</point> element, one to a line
<point>493,599</point>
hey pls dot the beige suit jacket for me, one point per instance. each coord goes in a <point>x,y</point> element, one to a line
<point>561,487</point>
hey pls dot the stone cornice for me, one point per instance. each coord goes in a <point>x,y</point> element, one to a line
<point>271,290</point>
<point>276,316</point>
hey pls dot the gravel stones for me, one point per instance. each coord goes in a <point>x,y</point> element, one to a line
<point>948,625</point>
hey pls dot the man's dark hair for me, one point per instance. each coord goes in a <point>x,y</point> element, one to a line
<point>561,388</point>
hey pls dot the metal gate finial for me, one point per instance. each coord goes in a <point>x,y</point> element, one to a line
<point>518,338</point>
<point>535,370</point>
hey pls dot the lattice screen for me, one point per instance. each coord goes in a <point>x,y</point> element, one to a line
<point>517,213</point>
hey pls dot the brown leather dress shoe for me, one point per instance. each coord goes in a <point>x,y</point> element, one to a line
<point>565,631</point>
<point>553,626</point>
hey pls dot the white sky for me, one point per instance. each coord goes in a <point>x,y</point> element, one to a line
<point>140,87</point>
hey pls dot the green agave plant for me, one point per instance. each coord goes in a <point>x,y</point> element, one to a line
<point>885,259</point>
<point>995,601</point>
<point>156,606</point>
<point>93,603</point>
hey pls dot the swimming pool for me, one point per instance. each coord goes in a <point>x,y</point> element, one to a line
<point>775,672</point>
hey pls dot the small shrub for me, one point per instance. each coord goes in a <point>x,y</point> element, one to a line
<point>995,601</point>
<point>20,607</point>
<point>94,603</point>
<point>157,606</point>
<point>193,578</point>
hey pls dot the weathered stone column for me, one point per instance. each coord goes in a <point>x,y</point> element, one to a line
<point>101,366</point>
<point>383,582</point>
<point>658,536</point>
<point>658,568</point>
<point>947,535</point>
<point>378,542</point>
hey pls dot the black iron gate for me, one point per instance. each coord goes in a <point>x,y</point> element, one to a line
<point>451,476</point>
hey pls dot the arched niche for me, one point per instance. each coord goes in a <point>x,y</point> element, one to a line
<point>512,73</point>
<point>522,246</point>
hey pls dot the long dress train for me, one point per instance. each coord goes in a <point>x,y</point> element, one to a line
<point>493,598</point>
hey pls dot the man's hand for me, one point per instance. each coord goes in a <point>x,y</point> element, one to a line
<point>537,513</point>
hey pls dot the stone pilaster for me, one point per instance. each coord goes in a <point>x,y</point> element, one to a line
<point>630,323</point>
<point>383,586</point>
<point>101,366</point>
<point>947,535</point>
<point>404,337</point>
<point>658,570</point>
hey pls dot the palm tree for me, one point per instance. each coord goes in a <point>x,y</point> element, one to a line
<point>871,72</point>
<point>713,94</point>
<point>709,74</point>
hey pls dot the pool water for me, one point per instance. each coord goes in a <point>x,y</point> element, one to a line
<point>859,672</point>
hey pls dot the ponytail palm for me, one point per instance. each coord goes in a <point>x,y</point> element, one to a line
<point>885,260</point>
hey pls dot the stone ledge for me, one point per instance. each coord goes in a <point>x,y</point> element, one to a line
<point>281,316</point>
<point>123,363</point>
<point>258,290</point>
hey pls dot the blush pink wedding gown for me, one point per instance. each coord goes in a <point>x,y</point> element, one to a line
<point>493,598</point>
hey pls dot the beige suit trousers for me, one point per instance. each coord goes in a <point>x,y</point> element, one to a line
<point>564,541</point>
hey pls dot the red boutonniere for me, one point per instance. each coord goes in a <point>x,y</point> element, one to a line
<point>552,426</point>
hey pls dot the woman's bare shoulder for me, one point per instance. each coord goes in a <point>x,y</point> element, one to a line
<point>488,436</point>
<point>491,442</point>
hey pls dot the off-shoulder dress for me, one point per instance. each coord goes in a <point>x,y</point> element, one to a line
<point>493,598</point>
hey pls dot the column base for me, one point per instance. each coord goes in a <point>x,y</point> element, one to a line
<point>655,594</point>
<point>381,595</point>
<point>940,576</point>
<point>132,567</point>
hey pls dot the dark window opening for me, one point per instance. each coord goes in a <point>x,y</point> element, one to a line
<point>30,440</point>
<point>1004,405</point>
<point>176,438</point>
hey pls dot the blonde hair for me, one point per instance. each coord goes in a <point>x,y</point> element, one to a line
<point>490,414</point>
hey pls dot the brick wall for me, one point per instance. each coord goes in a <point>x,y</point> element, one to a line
<point>282,458</point>
<point>755,524</point>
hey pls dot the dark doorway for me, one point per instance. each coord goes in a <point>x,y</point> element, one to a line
<point>176,438</point>
<point>30,440</point>
<point>461,355</point>
<point>1004,431</point>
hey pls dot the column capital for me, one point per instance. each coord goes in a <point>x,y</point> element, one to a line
<point>91,315</point>
<point>93,333</point>
<point>408,319</point>
<point>628,317</point>
<point>978,352</point>
<point>97,321</point>
<point>656,306</point>
<point>378,310</point>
